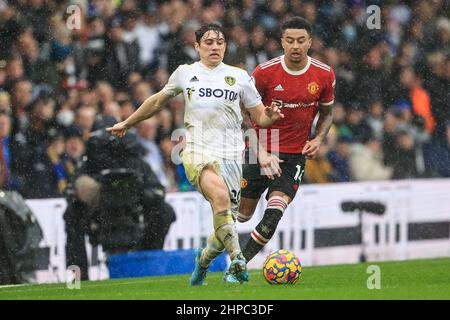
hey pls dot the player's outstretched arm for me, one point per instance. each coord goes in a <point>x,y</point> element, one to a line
<point>148,108</point>
<point>265,116</point>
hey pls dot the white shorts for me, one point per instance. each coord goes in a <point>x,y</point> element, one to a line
<point>229,170</point>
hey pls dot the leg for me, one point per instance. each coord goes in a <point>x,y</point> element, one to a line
<point>252,187</point>
<point>281,192</point>
<point>247,208</point>
<point>204,257</point>
<point>225,235</point>
<point>263,232</point>
<point>216,192</point>
<point>203,172</point>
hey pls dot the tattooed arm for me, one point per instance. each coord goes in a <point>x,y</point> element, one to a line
<point>323,126</point>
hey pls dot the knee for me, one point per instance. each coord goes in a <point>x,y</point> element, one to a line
<point>221,198</point>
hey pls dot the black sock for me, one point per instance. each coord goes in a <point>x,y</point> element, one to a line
<point>262,233</point>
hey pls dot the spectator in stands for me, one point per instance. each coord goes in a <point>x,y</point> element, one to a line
<point>149,39</point>
<point>5,102</point>
<point>442,39</point>
<point>65,116</point>
<point>345,78</point>
<point>339,120</point>
<point>375,119</point>
<point>357,125</point>
<point>389,134</point>
<point>84,119</point>
<point>237,48</point>
<point>146,135</point>
<point>2,75</point>
<point>28,48</point>
<point>182,51</point>
<point>95,51</point>
<point>177,180</point>
<point>437,82</point>
<point>418,96</point>
<point>41,115</point>
<point>271,18</point>
<point>411,123</point>
<point>10,26</point>
<point>21,96</point>
<point>61,64</point>
<point>437,155</point>
<point>13,154</point>
<point>141,91</point>
<point>339,159</point>
<point>371,78</point>
<point>366,161</point>
<point>256,48</point>
<point>37,13</point>
<point>47,177</point>
<point>14,71</point>
<point>126,109</point>
<point>74,150</point>
<point>158,79</point>
<point>176,106</point>
<point>165,119</point>
<point>122,57</point>
<point>405,166</point>
<point>320,170</point>
<point>105,93</point>
<point>167,145</point>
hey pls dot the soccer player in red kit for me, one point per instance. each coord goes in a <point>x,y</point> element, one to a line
<point>302,86</point>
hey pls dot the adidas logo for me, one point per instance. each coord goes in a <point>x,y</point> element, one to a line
<point>279,88</point>
<point>194,79</point>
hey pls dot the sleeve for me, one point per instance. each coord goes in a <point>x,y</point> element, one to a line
<point>259,80</point>
<point>173,86</point>
<point>249,95</point>
<point>327,95</point>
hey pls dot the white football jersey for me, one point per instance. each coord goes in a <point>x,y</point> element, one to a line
<point>212,106</point>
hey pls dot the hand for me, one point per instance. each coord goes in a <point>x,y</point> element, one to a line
<point>311,148</point>
<point>273,112</point>
<point>270,164</point>
<point>119,129</point>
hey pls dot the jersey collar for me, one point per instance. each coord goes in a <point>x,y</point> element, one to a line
<point>207,68</point>
<point>293,72</point>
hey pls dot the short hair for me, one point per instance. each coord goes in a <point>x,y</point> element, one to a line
<point>209,27</point>
<point>296,23</point>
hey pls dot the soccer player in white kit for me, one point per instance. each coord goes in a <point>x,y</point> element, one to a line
<point>213,93</point>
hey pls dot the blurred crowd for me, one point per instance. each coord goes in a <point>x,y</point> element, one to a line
<point>65,63</point>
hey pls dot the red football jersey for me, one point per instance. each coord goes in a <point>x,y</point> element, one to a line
<point>299,94</point>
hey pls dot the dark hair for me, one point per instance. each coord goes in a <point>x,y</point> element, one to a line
<point>209,27</point>
<point>296,23</point>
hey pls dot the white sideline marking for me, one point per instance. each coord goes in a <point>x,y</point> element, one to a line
<point>86,285</point>
<point>14,285</point>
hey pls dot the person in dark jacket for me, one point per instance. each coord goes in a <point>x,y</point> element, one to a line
<point>437,155</point>
<point>113,188</point>
<point>47,176</point>
<point>122,57</point>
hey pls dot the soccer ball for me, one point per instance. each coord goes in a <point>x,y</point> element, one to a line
<point>282,267</point>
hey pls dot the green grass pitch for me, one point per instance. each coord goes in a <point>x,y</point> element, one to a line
<point>414,279</point>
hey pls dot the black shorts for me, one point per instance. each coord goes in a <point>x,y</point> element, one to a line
<point>254,183</point>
